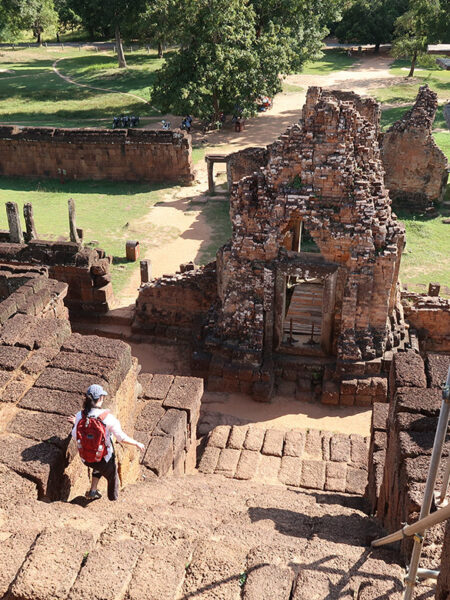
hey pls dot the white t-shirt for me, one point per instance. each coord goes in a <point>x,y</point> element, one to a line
<point>112,426</point>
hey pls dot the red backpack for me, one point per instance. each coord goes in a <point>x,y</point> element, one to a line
<point>91,438</point>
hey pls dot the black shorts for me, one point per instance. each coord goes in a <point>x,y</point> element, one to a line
<point>108,470</point>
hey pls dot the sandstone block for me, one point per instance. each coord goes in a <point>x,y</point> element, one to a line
<point>247,465</point>
<point>340,448</point>
<point>294,443</point>
<point>227,463</point>
<point>313,444</point>
<point>335,477</point>
<point>219,436</point>
<point>254,439</point>
<point>273,443</point>
<point>313,474</point>
<point>159,455</point>
<point>208,460</point>
<point>237,437</point>
<point>291,470</point>
<point>356,480</point>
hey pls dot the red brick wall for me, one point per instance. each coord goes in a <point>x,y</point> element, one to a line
<point>118,155</point>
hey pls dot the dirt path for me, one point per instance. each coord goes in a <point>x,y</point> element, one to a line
<point>68,79</point>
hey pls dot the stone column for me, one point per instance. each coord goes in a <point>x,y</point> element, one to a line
<point>72,224</point>
<point>210,167</point>
<point>29,222</point>
<point>146,270</point>
<point>15,227</point>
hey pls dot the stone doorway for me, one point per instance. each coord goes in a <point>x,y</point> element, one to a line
<point>305,296</point>
<point>303,313</point>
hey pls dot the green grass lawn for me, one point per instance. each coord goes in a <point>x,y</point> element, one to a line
<point>425,257</point>
<point>332,60</point>
<point>289,88</point>
<point>109,213</point>
<point>32,94</point>
<point>436,78</point>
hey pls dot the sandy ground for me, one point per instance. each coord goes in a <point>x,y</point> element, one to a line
<point>175,210</point>
<point>225,408</point>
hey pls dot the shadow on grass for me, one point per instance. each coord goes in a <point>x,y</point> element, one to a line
<point>110,188</point>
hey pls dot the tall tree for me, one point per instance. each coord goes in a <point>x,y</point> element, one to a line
<point>158,23</point>
<point>370,21</point>
<point>220,63</point>
<point>67,17</point>
<point>414,30</point>
<point>301,24</point>
<point>37,15</point>
<point>108,18</point>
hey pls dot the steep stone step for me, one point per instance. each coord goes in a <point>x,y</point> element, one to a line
<point>57,557</point>
<point>216,571</point>
<point>307,459</point>
<point>160,571</point>
<point>107,571</point>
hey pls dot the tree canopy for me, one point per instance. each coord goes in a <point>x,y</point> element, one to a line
<point>232,51</point>
<point>37,15</point>
<point>416,28</point>
<point>370,21</point>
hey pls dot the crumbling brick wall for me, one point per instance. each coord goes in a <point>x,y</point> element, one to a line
<point>174,305</point>
<point>117,155</point>
<point>404,457</point>
<point>333,159</point>
<point>430,317</point>
<point>416,169</point>
<point>325,173</point>
<point>367,107</point>
<point>85,270</point>
<point>246,162</point>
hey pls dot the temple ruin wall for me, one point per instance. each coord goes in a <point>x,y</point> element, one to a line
<point>117,155</point>
<point>415,168</point>
<point>85,270</point>
<point>401,445</point>
<point>430,318</point>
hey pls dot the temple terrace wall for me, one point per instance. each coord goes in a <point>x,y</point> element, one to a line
<point>117,155</point>
<point>401,445</point>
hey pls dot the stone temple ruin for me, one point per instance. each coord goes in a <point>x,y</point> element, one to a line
<point>416,169</point>
<point>305,296</point>
<point>309,278</point>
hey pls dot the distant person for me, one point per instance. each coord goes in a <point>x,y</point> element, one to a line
<point>93,429</point>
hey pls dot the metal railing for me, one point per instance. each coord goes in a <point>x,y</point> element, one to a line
<point>426,520</point>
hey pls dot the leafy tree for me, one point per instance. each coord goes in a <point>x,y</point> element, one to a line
<point>221,62</point>
<point>108,18</point>
<point>67,17</point>
<point>301,24</point>
<point>414,30</point>
<point>37,15</point>
<point>158,23</point>
<point>370,21</point>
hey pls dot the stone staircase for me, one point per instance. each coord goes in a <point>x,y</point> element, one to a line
<point>202,536</point>
<point>309,459</point>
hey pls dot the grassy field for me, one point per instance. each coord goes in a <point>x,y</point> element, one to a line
<point>31,93</point>
<point>332,60</point>
<point>109,213</point>
<point>425,258</point>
